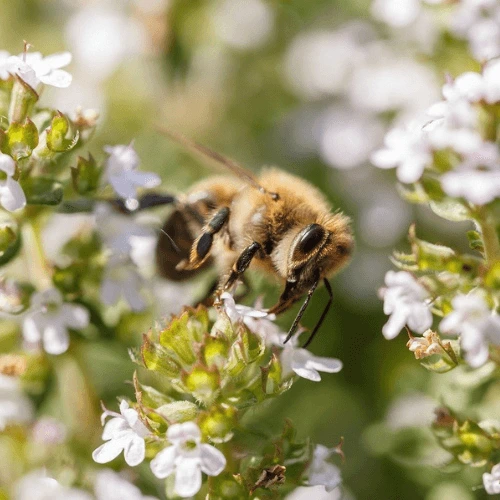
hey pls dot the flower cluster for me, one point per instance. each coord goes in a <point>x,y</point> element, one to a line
<point>225,367</point>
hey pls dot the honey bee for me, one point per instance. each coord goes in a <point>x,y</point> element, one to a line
<point>275,222</point>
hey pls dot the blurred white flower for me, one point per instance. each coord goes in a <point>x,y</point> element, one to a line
<point>121,172</point>
<point>49,431</point>
<point>491,481</point>
<point>476,324</point>
<point>317,493</point>
<point>11,193</point>
<point>124,432</point>
<point>477,178</point>
<point>415,409</point>
<point>386,81</point>
<point>396,13</point>
<point>123,235</point>
<point>406,300</point>
<point>348,137</point>
<point>322,472</point>
<point>243,24</point>
<point>38,486</point>
<point>187,458</point>
<point>406,149</point>
<point>101,36</point>
<point>122,279</point>
<point>478,22</point>
<point>319,63</point>
<point>48,319</point>
<point>15,407</point>
<point>112,486</point>
<point>34,69</point>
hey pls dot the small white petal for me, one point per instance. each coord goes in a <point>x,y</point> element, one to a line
<point>110,291</point>
<point>327,365</point>
<point>108,451</point>
<point>58,60</point>
<point>114,428</point>
<point>187,477</point>
<point>32,330</point>
<point>213,461</point>
<point>55,339</point>
<point>57,78</point>
<point>74,316</point>
<point>12,196</point>
<point>122,185</point>
<point>143,179</point>
<point>135,451</point>
<point>7,164</point>
<point>180,433</point>
<point>163,463</point>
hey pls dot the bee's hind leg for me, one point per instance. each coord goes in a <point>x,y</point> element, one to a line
<point>200,251</point>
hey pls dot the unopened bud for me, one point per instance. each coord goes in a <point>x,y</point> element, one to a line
<point>203,383</point>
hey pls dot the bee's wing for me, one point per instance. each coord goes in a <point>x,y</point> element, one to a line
<point>207,153</point>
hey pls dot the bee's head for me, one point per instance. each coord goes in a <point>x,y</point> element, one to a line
<point>314,252</point>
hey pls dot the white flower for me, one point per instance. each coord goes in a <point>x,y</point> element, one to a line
<point>35,69</point>
<point>38,486</point>
<point>112,486</point>
<point>405,299</point>
<point>187,458</point>
<point>11,193</point>
<point>322,472</point>
<point>124,432</point>
<point>477,178</point>
<point>49,431</point>
<point>472,319</point>
<point>15,407</point>
<point>122,174</point>
<point>406,149</point>
<point>293,359</point>
<point>49,318</point>
<point>492,481</point>
<point>256,320</point>
<point>124,236</point>
<point>396,13</point>
<point>122,279</point>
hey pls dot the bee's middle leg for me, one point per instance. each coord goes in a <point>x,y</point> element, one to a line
<point>200,251</point>
<point>241,264</point>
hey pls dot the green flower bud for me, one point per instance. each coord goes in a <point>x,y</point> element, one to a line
<point>86,175</point>
<point>158,359</point>
<point>22,100</point>
<point>178,337</point>
<point>42,191</point>
<point>218,423</point>
<point>215,352</point>
<point>203,383</point>
<point>57,135</point>
<point>19,139</point>
<point>178,411</point>
<point>10,239</point>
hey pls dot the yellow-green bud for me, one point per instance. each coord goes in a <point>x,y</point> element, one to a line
<point>218,423</point>
<point>203,383</point>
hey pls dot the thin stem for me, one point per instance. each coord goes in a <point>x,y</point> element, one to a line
<point>35,258</point>
<point>487,227</point>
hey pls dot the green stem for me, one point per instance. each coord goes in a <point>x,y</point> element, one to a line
<point>487,226</point>
<point>35,257</point>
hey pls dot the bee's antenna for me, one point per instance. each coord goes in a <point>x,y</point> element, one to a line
<point>226,162</point>
<point>301,312</point>
<point>323,315</point>
<point>175,247</point>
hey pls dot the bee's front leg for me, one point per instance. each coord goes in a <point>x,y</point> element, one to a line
<point>241,265</point>
<point>200,251</point>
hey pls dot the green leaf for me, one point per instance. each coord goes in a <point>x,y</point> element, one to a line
<point>451,210</point>
<point>475,241</point>
<point>42,191</point>
<point>19,140</point>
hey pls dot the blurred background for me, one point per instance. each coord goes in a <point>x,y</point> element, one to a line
<point>307,85</point>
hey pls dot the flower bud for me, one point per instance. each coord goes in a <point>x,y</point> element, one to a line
<point>19,139</point>
<point>202,383</point>
<point>178,411</point>
<point>23,98</point>
<point>10,239</point>
<point>218,423</point>
<point>86,175</point>
<point>158,359</point>
<point>215,352</point>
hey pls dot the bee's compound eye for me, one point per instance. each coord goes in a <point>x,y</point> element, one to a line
<point>312,236</point>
